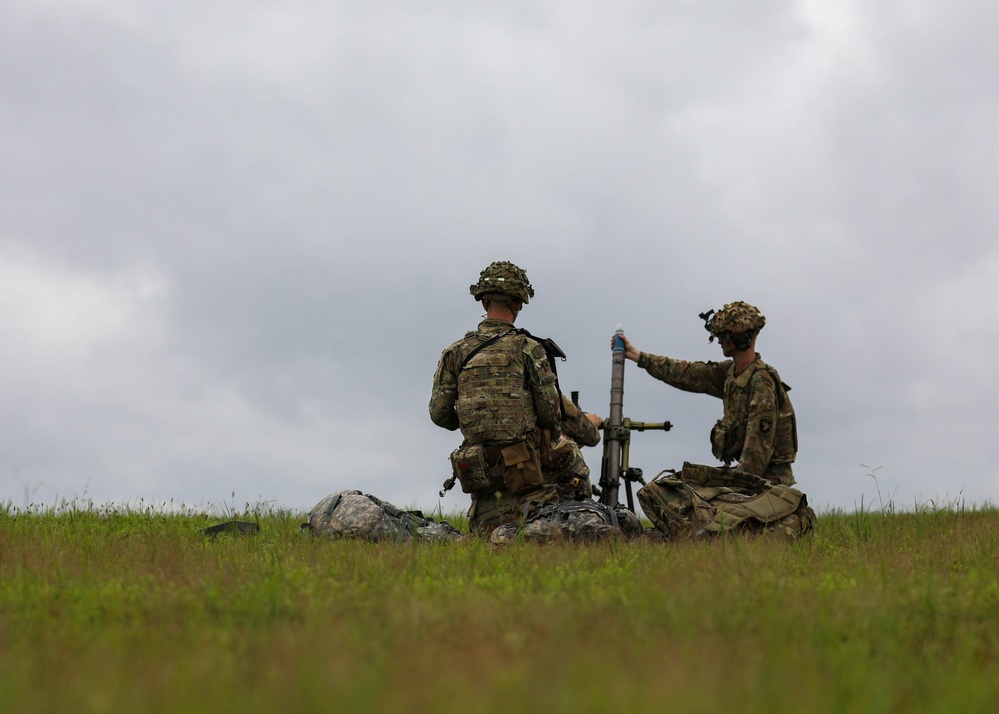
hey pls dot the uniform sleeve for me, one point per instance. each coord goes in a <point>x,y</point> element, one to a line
<point>761,425</point>
<point>445,393</point>
<point>541,382</point>
<point>577,427</point>
<point>699,377</point>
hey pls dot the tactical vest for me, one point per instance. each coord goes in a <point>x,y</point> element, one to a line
<point>495,406</point>
<point>729,433</point>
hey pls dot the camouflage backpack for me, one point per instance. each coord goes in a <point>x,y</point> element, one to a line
<point>702,501</point>
<point>352,514</point>
<point>579,521</point>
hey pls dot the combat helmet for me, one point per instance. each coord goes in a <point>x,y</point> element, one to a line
<point>736,317</point>
<point>504,278</point>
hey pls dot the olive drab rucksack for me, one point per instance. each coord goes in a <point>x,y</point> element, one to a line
<point>352,514</point>
<point>702,501</point>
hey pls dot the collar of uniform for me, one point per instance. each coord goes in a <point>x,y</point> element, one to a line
<point>491,324</point>
<point>743,378</point>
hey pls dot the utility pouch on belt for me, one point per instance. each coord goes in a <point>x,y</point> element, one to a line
<point>523,467</point>
<point>470,468</point>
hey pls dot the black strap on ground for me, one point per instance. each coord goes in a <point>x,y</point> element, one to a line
<point>237,527</point>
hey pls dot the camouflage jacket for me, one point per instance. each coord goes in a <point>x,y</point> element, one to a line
<point>515,394</point>
<point>758,429</point>
<point>577,427</point>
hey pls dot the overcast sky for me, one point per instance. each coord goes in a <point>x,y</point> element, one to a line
<point>234,238</point>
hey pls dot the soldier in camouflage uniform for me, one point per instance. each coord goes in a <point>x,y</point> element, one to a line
<point>758,431</point>
<point>498,387</point>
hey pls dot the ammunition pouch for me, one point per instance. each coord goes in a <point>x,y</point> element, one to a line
<point>523,467</point>
<point>557,457</point>
<point>727,440</point>
<point>472,470</point>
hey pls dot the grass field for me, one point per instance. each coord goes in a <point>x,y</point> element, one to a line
<point>112,610</point>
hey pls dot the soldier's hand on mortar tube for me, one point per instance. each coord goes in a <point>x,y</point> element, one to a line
<point>597,421</point>
<point>630,351</point>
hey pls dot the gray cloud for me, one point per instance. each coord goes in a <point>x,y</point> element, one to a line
<point>234,240</point>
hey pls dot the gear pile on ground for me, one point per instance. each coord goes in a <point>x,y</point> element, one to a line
<point>352,514</point>
<point>698,502</point>
<point>583,521</point>
<point>705,501</point>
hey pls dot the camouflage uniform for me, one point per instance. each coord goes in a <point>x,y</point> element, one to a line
<point>504,396</point>
<point>758,430</point>
<point>564,461</point>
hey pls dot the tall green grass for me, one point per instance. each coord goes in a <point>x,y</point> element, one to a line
<point>107,610</point>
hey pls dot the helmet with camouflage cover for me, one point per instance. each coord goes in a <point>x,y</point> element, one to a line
<point>736,317</point>
<point>503,278</point>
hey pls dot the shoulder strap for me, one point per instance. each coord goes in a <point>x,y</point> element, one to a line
<point>552,350</point>
<point>773,504</point>
<point>481,347</point>
<point>781,388</point>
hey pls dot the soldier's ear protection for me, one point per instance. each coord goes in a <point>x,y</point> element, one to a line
<point>742,340</point>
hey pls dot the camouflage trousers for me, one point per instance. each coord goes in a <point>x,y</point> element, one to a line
<point>490,510</point>
<point>780,474</point>
<point>564,466</point>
